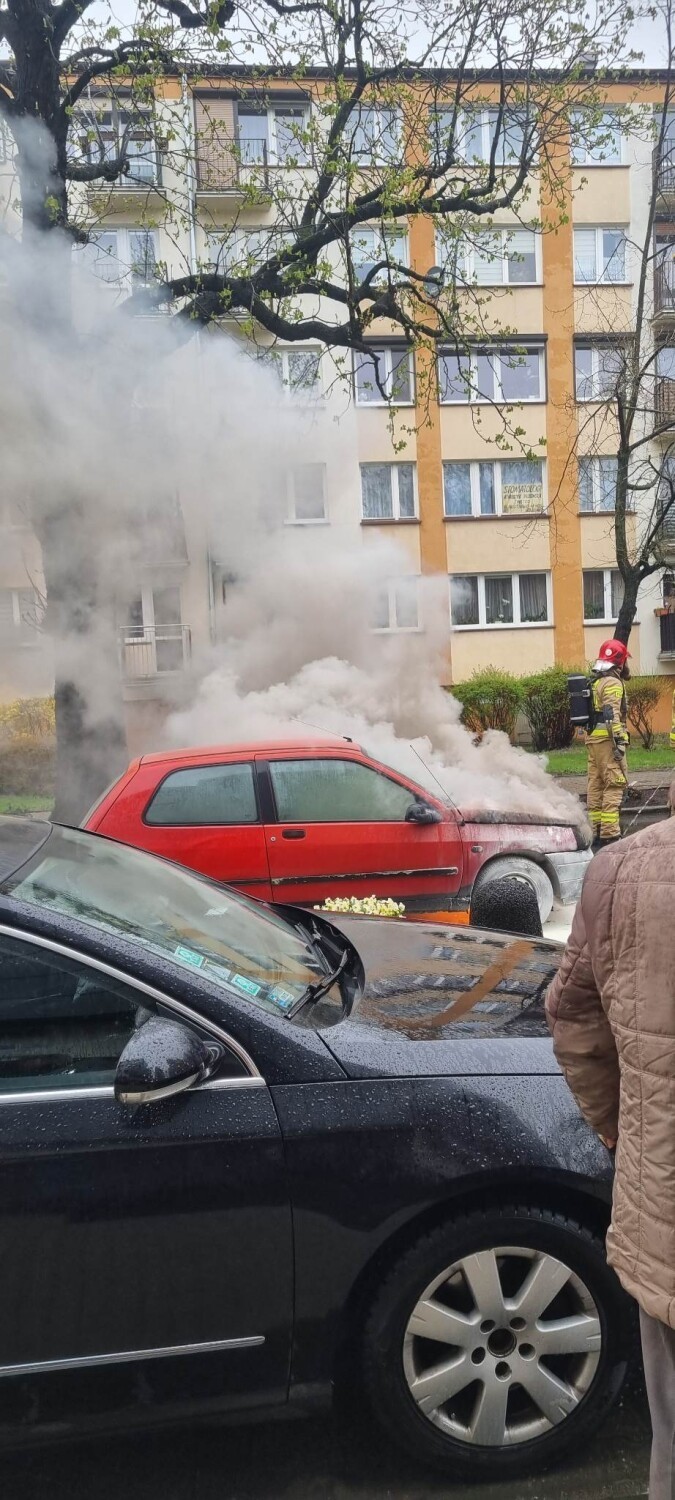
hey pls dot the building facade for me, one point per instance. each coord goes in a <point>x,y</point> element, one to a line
<point>526,544</point>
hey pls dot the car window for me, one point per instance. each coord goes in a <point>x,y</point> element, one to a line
<point>205,794</point>
<point>336,791</point>
<point>62,1024</point>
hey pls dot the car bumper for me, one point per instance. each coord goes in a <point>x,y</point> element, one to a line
<point>567,873</point>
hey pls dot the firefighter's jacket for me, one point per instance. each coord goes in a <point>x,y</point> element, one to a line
<point>608,688</point>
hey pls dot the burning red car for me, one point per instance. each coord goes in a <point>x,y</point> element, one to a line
<point>296,821</point>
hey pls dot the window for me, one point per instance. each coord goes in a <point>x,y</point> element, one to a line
<point>126,258</point>
<point>298,370</point>
<point>336,791</point>
<point>62,1024</point>
<point>597,371</point>
<point>395,606</point>
<point>371,245</point>
<point>479,128</point>
<point>110,132</point>
<point>205,794</point>
<point>386,367</point>
<point>20,615</point>
<point>499,599</point>
<point>376,133</point>
<point>388,492</point>
<point>307,494</point>
<point>603,595</point>
<point>241,252</point>
<point>599,255</point>
<point>505,374</point>
<point>154,638</point>
<point>597,483</point>
<point>595,140</point>
<point>494,488</point>
<point>276,133</point>
<point>495,257</point>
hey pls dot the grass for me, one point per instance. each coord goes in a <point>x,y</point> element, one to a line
<point>24,802</point>
<point>572,762</point>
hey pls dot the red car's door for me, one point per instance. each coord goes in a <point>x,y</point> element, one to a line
<point>342,830</point>
<point>204,816</point>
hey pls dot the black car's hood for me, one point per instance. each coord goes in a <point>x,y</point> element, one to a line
<point>441,999</point>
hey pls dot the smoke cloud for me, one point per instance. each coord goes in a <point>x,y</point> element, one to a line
<point>130,419</point>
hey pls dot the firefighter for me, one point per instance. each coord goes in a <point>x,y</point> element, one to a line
<point>607,741</point>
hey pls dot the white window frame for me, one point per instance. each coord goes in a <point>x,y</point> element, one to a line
<point>312,394</point>
<point>391,586</point>
<point>226,250</point>
<point>471,396</point>
<point>394,245</point>
<point>597,509</point>
<point>394,491</point>
<point>21,636</point>
<point>291,518</point>
<point>268,119</point>
<point>122,258</point>
<point>607,618</point>
<point>516,623</point>
<point>587,160</point>
<point>366,158</point>
<point>384,354</point>
<point>481,115</point>
<point>466,253</point>
<point>105,124</point>
<point>474,477</point>
<point>602,279</point>
<point>596,350</point>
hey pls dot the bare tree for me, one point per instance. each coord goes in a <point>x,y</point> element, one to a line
<point>446,114</point>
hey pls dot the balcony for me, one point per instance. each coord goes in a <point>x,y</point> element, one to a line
<point>664,404</point>
<point>150,651</point>
<point>232,170</point>
<point>663,164</point>
<point>664,290</point>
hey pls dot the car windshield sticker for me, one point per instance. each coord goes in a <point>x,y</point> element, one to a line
<point>188,956</point>
<point>218,970</point>
<point>248,985</point>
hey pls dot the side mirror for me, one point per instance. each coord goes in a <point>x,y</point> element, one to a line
<point>160,1059</point>
<point>420,812</point>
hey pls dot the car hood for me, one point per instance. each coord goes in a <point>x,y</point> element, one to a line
<point>444,1000</point>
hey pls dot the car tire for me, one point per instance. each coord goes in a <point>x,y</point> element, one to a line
<point>397,1356</point>
<point>521,869</point>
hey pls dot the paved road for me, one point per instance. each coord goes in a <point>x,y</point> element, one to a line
<point>326,1459</point>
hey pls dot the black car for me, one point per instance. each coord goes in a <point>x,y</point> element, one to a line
<point>247,1154</point>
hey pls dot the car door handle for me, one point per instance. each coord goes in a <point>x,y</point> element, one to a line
<point>292,833</point>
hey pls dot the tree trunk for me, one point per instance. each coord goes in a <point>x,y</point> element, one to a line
<point>627,612</point>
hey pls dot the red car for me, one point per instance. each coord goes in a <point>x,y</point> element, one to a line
<point>299,820</point>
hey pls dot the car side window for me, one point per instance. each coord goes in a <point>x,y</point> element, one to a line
<point>62,1024</point>
<point>336,791</point>
<point>205,794</point>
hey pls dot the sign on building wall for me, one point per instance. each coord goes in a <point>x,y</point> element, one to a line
<point>521,497</point>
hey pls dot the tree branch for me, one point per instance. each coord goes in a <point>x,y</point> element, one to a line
<point>193,20</point>
<point>66,15</point>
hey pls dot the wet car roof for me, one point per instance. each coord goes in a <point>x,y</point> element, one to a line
<point>20,838</point>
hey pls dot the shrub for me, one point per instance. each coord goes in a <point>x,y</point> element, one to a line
<point>27,717</point>
<point>490,700</point>
<point>644,694</point>
<point>27,746</point>
<point>547,709</point>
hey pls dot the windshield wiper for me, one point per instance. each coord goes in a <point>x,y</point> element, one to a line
<point>315,992</point>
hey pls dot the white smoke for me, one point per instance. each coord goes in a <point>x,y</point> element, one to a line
<point>126,412</point>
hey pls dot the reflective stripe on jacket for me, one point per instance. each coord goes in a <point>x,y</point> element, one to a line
<point>609,689</point>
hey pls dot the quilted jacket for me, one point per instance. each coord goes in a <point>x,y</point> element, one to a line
<point>611,1009</point>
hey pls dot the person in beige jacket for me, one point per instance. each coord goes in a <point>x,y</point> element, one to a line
<point>611,1009</point>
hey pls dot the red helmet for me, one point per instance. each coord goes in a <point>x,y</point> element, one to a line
<point>614,653</point>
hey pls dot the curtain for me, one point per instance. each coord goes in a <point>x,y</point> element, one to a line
<point>594,595</point>
<point>533,600</point>
<point>303,369</point>
<point>406,491</point>
<point>522,487</point>
<point>585,268</point>
<point>499,599</point>
<point>486,482</point>
<point>617,592</point>
<point>586,484</point>
<point>607,471</point>
<point>457,489</point>
<point>520,249</point>
<point>376,498</point>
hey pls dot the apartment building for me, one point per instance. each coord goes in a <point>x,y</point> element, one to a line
<point>526,543</point>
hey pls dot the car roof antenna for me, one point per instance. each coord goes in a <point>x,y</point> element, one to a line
<point>430,769</point>
<point>321,728</point>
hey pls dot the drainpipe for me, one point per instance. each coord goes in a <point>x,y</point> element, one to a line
<point>190,170</point>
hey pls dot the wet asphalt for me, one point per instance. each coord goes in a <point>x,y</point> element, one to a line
<point>326,1458</point>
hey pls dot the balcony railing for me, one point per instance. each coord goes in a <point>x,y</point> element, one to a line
<point>664,402</point>
<point>664,170</point>
<point>149,650</point>
<point>667,626</point>
<point>225,165</point>
<point>664,287</point>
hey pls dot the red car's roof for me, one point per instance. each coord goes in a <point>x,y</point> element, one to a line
<point>250,747</point>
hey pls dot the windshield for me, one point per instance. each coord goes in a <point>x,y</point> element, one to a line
<point>240,946</point>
